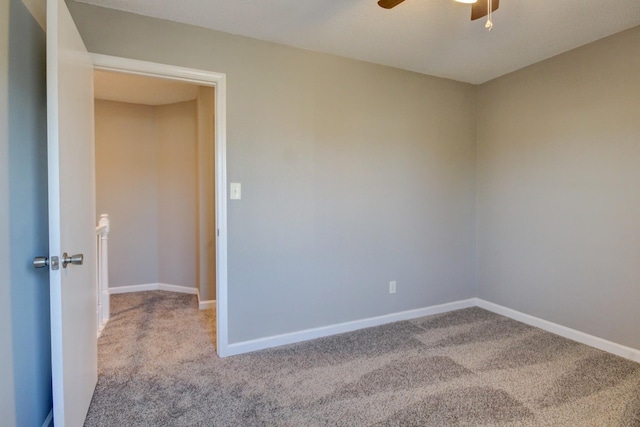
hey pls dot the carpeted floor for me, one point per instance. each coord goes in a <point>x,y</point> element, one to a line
<point>158,367</point>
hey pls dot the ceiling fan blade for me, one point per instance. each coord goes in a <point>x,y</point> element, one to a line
<point>388,4</point>
<point>481,8</point>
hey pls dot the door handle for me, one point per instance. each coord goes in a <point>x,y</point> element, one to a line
<point>40,262</point>
<point>74,259</point>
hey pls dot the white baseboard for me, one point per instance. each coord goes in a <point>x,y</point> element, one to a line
<point>49,420</point>
<point>176,288</point>
<point>152,287</point>
<point>101,328</point>
<point>309,334</point>
<point>133,288</point>
<point>203,305</point>
<point>563,331</point>
<point>324,331</point>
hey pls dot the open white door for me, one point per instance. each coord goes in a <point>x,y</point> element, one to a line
<point>71,217</point>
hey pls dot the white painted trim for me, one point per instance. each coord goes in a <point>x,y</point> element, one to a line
<point>219,81</point>
<point>153,69</point>
<point>222,319</point>
<point>152,287</point>
<point>48,421</point>
<point>133,288</point>
<point>324,331</point>
<point>101,328</point>
<point>203,305</point>
<point>55,276</point>
<point>102,272</point>
<point>340,328</point>
<point>176,288</point>
<point>563,331</point>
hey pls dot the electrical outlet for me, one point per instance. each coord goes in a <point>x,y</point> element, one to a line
<point>392,287</point>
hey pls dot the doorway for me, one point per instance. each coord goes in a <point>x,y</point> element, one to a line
<point>211,178</point>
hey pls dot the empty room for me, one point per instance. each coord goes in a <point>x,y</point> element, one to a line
<point>422,213</point>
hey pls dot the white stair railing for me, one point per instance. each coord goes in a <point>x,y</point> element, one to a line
<point>102,273</point>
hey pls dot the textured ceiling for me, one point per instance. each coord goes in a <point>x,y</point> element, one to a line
<point>433,37</point>
<point>140,90</point>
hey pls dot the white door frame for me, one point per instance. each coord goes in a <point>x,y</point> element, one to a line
<point>219,81</point>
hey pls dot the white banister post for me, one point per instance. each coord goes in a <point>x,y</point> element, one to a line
<point>103,269</point>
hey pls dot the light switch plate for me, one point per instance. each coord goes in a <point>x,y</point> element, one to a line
<point>235,191</point>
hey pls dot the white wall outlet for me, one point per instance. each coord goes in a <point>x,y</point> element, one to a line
<point>392,287</point>
<point>236,191</point>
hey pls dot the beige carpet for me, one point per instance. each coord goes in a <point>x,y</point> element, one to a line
<point>158,367</point>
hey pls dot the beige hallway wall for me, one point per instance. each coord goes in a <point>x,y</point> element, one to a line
<point>207,191</point>
<point>127,189</point>
<point>146,182</point>
<point>177,194</point>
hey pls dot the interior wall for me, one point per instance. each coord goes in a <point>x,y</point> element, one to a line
<point>146,182</point>
<point>353,175</point>
<point>127,189</point>
<point>25,353</point>
<point>7,391</point>
<point>177,195</point>
<point>558,204</point>
<point>206,193</point>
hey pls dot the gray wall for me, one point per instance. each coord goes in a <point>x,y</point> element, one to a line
<point>177,194</point>
<point>353,175</point>
<point>7,392</point>
<point>146,182</point>
<point>558,200</point>
<point>24,324</point>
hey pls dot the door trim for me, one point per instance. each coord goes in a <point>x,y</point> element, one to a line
<point>219,81</point>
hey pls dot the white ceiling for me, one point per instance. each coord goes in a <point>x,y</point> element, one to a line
<point>140,90</point>
<point>433,37</point>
